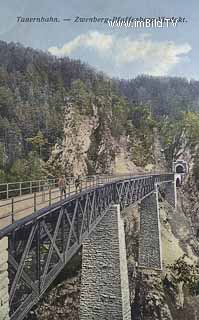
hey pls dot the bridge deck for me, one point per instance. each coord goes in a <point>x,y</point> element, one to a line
<point>24,206</point>
<point>15,208</point>
<point>19,207</point>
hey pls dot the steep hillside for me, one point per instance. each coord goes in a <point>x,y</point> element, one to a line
<point>166,96</point>
<point>116,117</point>
<point>36,91</point>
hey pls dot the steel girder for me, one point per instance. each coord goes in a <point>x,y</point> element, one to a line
<point>40,247</point>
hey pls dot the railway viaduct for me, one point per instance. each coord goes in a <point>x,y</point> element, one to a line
<point>35,248</point>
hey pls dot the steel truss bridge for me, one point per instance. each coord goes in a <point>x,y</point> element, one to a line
<point>41,244</point>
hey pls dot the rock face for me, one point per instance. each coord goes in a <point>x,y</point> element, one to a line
<point>149,301</point>
<point>61,303</point>
<point>159,157</point>
<point>77,140</point>
<point>88,147</point>
<point>71,155</point>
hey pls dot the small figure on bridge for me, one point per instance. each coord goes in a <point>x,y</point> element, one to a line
<point>78,184</point>
<point>62,186</point>
<point>45,188</point>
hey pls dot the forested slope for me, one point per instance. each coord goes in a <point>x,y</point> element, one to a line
<point>167,96</point>
<point>35,89</point>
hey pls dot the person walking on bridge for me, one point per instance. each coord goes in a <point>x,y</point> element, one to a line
<point>62,186</point>
<point>78,184</point>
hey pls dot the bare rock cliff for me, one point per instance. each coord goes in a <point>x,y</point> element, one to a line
<point>88,147</point>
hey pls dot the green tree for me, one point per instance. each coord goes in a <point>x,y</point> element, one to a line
<point>35,166</point>
<point>182,271</point>
<point>2,156</point>
<point>6,100</point>
<point>81,97</point>
<point>37,142</point>
<point>19,170</point>
<point>29,168</point>
<point>120,114</point>
<point>175,133</point>
<point>191,126</point>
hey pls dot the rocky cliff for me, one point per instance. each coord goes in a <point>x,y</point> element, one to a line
<point>89,147</point>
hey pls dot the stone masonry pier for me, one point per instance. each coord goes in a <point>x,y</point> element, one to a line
<point>149,237</point>
<point>170,193</point>
<point>104,288</point>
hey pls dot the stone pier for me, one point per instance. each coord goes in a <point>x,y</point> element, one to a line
<point>149,238</point>
<point>4,297</point>
<point>170,193</point>
<point>104,284</point>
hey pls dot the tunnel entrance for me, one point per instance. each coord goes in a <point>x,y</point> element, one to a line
<point>180,169</point>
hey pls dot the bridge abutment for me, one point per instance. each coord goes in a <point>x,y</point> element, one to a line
<point>4,296</point>
<point>150,255</point>
<point>105,288</point>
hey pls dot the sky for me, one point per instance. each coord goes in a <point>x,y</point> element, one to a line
<point>122,52</point>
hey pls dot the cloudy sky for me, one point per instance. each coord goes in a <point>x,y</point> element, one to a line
<point>119,52</point>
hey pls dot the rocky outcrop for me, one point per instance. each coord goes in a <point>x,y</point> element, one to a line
<point>71,154</point>
<point>158,152</point>
<point>77,132</point>
<point>88,146</point>
<point>60,303</point>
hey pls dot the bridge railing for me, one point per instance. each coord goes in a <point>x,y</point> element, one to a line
<point>15,189</point>
<point>18,189</point>
<point>29,196</point>
<point>46,193</point>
